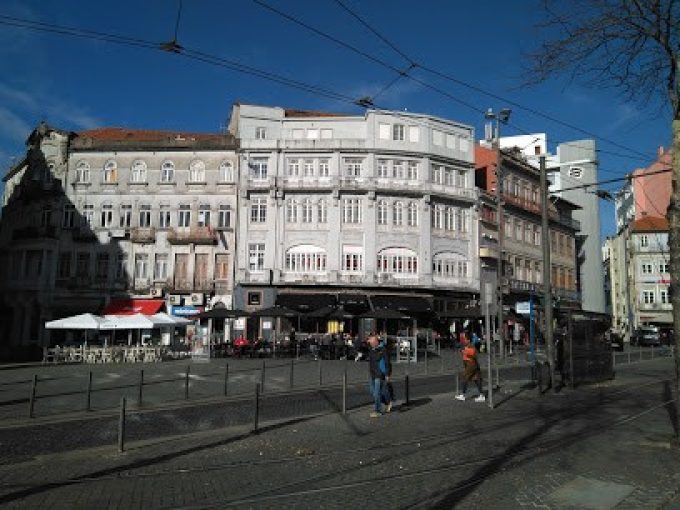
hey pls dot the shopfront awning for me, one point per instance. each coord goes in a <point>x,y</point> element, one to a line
<point>133,306</point>
<point>405,304</point>
<point>305,302</point>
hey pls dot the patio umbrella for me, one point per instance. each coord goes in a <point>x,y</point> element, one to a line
<point>222,313</point>
<point>82,321</point>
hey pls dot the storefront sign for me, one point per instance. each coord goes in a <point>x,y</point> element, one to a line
<point>523,307</point>
<point>186,311</point>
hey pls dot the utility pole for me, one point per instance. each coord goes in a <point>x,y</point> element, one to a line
<point>502,117</point>
<point>547,272</point>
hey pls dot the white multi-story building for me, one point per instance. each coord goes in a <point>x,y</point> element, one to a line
<point>380,204</point>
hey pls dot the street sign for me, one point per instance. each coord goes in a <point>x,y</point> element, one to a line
<point>523,307</point>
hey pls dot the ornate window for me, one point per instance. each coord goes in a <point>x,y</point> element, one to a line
<point>382,212</point>
<point>293,169</point>
<point>258,168</point>
<point>197,171</point>
<point>353,167</point>
<point>82,172</point>
<point>412,214</point>
<point>398,213</point>
<point>168,171</point>
<point>412,174</point>
<point>351,210</point>
<point>322,211</point>
<point>138,171</point>
<point>398,171</point>
<point>258,210</point>
<point>450,265</point>
<point>110,175</point>
<point>292,205</point>
<point>352,259</point>
<point>398,261</point>
<point>382,168</point>
<point>324,170</point>
<point>226,171</point>
<point>306,258</point>
<point>307,210</point>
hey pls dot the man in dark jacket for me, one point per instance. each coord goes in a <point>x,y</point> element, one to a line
<point>380,371</point>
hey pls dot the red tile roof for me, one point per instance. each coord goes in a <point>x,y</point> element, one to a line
<point>651,224</point>
<point>143,135</point>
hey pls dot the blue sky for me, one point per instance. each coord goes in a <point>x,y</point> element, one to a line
<point>78,84</point>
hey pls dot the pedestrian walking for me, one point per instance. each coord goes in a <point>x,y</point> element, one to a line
<point>471,371</point>
<point>380,370</point>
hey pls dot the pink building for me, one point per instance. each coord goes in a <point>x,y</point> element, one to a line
<point>653,192</point>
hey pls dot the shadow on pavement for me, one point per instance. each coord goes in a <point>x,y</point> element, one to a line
<point>670,407</point>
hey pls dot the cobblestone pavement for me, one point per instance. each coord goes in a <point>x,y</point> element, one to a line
<point>437,453</point>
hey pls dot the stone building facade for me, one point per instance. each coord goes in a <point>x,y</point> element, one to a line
<point>381,205</point>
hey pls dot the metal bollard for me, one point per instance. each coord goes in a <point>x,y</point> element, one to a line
<point>263,375</point>
<point>186,383</point>
<point>407,390</point>
<point>31,399</point>
<point>141,385</point>
<point>344,394</point>
<point>292,374</point>
<point>88,398</point>
<point>408,359</point>
<point>257,408</point>
<point>297,350</point>
<point>121,426</point>
<point>226,379</point>
<point>427,365</point>
<point>320,373</point>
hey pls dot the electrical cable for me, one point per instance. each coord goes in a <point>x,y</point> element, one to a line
<point>477,88</point>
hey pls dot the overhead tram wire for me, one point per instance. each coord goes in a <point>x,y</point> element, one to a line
<point>477,88</point>
<point>203,57</point>
<point>185,52</point>
<point>627,177</point>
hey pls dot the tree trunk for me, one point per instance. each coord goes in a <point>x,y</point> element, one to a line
<point>674,246</point>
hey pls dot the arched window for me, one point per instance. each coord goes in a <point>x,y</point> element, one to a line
<point>197,171</point>
<point>382,212</point>
<point>322,211</point>
<point>450,265</point>
<point>306,258</point>
<point>168,171</point>
<point>292,210</point>
<point>307,210</point>
<point>398,261</point>
<point>110,172</point>
<point>226,171</point>
<point>398,213</point>
<point>412,217</point>
<point>138,171</point>
<point>83,172</point>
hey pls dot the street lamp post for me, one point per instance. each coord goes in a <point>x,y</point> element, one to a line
<point>499,118</point>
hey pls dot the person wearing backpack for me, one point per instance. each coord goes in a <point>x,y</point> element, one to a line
<point>380,370</point>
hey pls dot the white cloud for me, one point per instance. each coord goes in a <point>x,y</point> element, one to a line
<point>71,116</point>
<point>18,96</point>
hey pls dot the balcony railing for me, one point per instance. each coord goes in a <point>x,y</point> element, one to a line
<point>143,235</point>
<point>194,235</point>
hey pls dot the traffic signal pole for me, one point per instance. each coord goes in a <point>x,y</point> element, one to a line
<point>547,273</point>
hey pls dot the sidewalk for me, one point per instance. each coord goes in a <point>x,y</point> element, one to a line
<point>563,450</point>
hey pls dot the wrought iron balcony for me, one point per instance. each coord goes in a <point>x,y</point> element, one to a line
<point>192,235</point>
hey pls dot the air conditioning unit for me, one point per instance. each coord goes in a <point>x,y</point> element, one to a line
<point>175,299</point>
<point>196,298</point>
<point>156,292</point>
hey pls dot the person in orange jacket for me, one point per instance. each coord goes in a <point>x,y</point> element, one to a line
<point>471,371</point>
